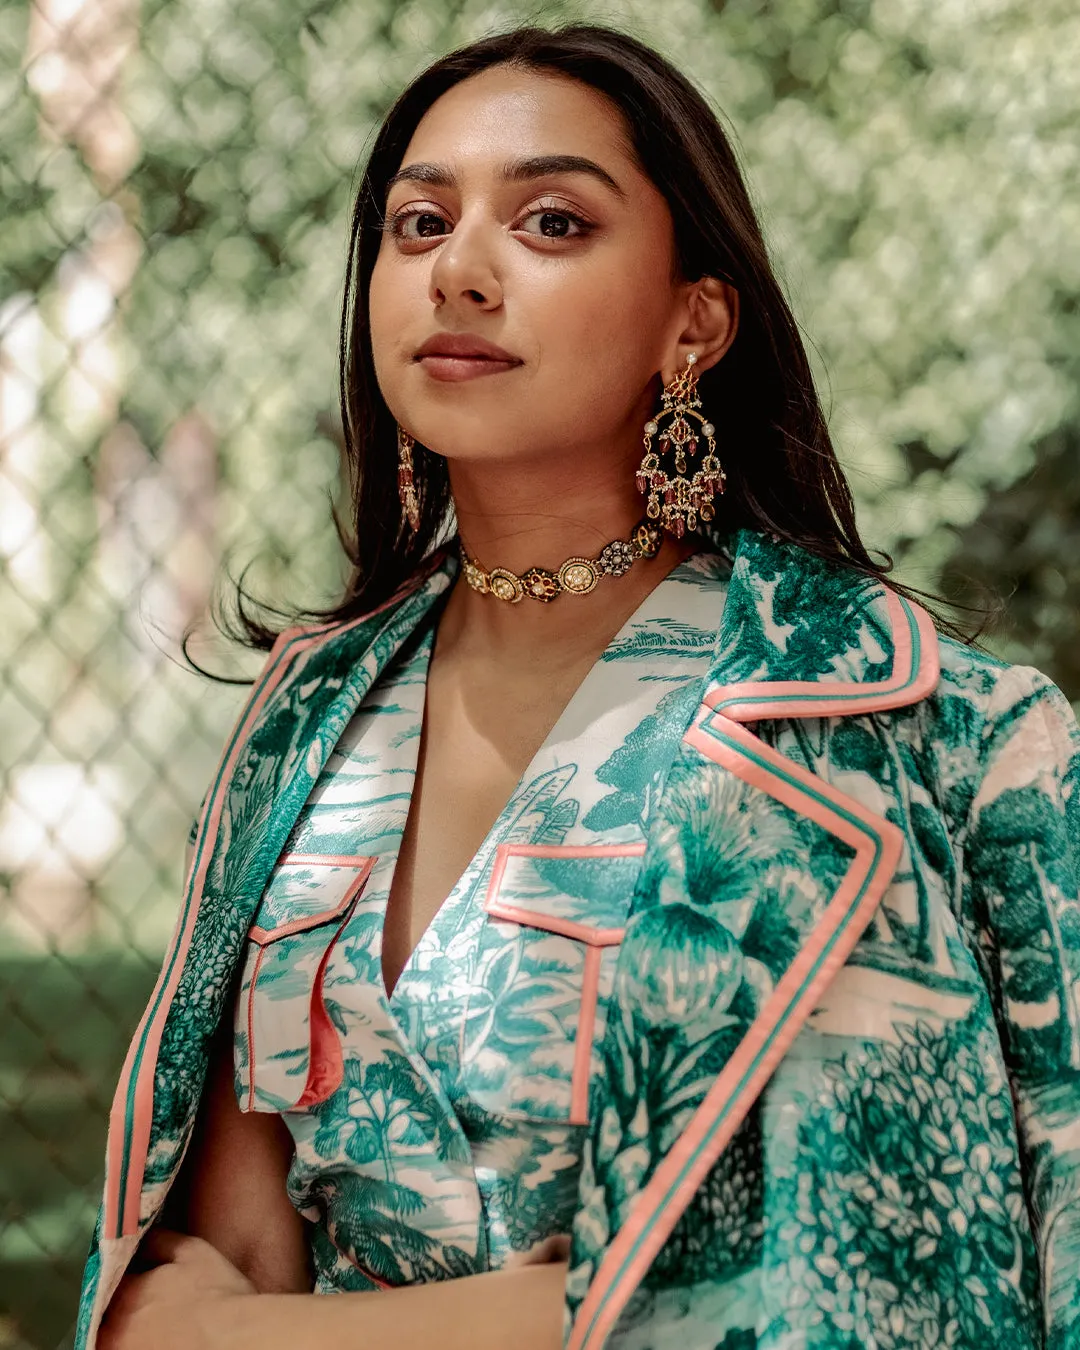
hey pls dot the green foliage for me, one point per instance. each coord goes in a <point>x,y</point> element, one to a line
<point>719,1234</point>
<point>915,164</point>
<point>913,1143</point>
<point>1023,546</point>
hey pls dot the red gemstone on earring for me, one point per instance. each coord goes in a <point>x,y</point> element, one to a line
<point>692,447</point>
<point>669,495</point>
<point>641,481</point>
<point>678,527</point>
<point>695,500</point>
<point>658,480</point>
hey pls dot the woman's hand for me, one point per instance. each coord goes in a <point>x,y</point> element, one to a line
<point>171,1305</point>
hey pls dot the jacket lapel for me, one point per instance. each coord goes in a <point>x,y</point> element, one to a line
<point>760,875</point>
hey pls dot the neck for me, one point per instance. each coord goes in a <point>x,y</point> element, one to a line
<point>521,516</point>
<point>533,514</point>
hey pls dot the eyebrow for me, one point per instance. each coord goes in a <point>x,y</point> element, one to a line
<point>514,171</point>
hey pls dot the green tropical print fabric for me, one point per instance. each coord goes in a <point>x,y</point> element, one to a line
<point>763,988</point>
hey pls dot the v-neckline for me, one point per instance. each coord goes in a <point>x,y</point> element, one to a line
<point>638,616</point>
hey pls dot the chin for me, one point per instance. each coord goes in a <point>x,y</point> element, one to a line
<point>471,438</point>
<point>481,447</point>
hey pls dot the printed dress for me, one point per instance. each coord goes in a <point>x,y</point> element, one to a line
<point>441,1131</point>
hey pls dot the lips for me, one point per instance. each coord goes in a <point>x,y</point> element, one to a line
<point>465,346</point>
<point>451,357</point>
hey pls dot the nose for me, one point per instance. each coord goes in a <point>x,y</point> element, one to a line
<point>463,272</point>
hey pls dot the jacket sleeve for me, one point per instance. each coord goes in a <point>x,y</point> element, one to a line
<point>109,1254</point>
<point>1021,896</point>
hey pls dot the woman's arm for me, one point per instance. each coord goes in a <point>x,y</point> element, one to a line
<point>520,1309</point>
<point>196,1300</point>
<point>1021,892</point>
<point>231,1188</point>
<point>231,1194</point>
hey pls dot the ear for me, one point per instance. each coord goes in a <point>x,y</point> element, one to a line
<point>712,321</point>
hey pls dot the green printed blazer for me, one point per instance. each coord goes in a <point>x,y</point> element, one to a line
<point>835,1099</point>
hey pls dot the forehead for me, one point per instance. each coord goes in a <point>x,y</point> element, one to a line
<point>507,111</point>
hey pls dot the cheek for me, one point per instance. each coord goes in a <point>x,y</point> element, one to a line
<point>397,302</point>
<point>612,313</point>
<point>392,310</point>
<point>600,347</point>
<point>384,304</point>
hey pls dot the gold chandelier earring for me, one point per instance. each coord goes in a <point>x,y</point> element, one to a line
<point>678,501</point>
<point>410,503</point>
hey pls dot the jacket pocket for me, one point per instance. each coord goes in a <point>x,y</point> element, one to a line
<point>545,967</point>
<point>288,1052</point>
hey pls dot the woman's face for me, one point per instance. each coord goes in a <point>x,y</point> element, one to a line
<point>566,267</point>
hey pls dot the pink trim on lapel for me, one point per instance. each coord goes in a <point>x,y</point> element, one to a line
<point>877,845</point>
<point>121,1216</point>
<point>914,675</point>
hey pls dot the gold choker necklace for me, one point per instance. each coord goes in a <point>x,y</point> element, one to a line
<point>577,576</point>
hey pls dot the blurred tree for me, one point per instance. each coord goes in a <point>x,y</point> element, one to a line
<point>1024,547</point>
<point>916,164</point>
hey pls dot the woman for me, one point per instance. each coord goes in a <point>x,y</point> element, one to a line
<point>634,904</point>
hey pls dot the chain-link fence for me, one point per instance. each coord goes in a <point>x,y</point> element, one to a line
<point>174,181</point>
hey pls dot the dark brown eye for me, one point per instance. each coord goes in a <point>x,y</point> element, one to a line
<point>553,224</point>
<point>558,224</point>
<point>428,224</point>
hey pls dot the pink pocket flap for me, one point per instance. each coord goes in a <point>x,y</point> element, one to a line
<point>288,1052</point>
<point>581,891</point>
<point>544,974</point>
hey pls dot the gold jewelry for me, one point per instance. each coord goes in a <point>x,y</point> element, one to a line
<point>678,502</point>
<point>410,503</point>
<point>577,576</point>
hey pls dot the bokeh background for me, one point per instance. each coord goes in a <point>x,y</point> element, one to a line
<point>174,188</point>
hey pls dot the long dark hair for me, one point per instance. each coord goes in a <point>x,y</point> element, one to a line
<point>783,474</point>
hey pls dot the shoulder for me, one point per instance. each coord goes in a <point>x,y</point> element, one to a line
<point>987,723</point>
<point>997,697</point>
<point>943,712</point>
